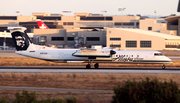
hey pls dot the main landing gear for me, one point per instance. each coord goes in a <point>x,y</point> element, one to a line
<point>163,67</point>
<point>96,65</point>
<point>88,66</point>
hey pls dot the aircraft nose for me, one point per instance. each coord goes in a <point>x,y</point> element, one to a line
<point>168,59</point>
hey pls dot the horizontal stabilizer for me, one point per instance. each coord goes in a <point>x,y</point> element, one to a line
<point>12,29</point>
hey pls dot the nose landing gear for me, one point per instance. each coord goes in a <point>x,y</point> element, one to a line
<point>163,67</point>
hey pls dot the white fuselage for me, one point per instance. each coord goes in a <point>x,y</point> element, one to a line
<point>121,56</point>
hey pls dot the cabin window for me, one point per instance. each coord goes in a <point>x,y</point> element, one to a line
<point>158,54</point>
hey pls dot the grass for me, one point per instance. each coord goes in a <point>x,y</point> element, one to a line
<point>82,97</point>
<point>172,54</point>
<point>9,61</point>
<point>90,81</point>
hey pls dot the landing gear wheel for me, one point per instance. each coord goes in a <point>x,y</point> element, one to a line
<point>88,66</point>
<point>164,67</point>
<point>96,65</point>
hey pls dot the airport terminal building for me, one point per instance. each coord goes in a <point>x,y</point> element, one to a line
<point>86,29</point>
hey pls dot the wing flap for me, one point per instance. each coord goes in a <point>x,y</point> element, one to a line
<point>91,53</point>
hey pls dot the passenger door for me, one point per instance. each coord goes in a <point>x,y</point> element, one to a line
<point>61,56</point>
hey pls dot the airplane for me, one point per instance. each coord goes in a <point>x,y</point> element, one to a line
<point>25,47</point>
<point>41,24</point>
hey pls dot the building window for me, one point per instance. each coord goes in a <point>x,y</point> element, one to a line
<point>124,23</point>
<point>57,38</point>
<point>93,39</point>
<point>149,28</point>
<point>8,17</point>
<point>115,39</point>
<point>97,18</point>
<point>91,27</point>
<point>68,23</point>
<point>115,46</point>
<point>145,44</point>
<point>131,43</point>
<point>70,38</point>
<point>50,18</point>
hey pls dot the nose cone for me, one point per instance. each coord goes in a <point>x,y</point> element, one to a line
<point>168,59</point>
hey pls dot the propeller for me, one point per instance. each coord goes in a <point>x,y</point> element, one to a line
<point>112,52</point>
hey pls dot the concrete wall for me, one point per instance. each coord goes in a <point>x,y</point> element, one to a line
<point>171,32</point>
<point>16,22</point>
<point>144,24</point>
<point>26,18</point>
<point>157,43</point>
<point>71,33</point>
<point>51,33</point>
<point>100,34</point>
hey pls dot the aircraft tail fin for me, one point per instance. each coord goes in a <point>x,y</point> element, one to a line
<point>21,39</point>
<point>178,10</point>
<point>41,25</point>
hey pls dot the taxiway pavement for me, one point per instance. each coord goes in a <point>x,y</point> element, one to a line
<point>51,89</point>
<point>46,69</point>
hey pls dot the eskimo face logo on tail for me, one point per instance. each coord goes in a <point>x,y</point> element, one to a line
<point>20,41</point>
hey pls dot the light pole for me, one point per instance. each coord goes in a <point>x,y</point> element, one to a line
<point>121,9</point>
<point>66,19</point>
<point>155,13</point>
<point>66,28</point>
<point>104,18</point>
<point>17,12</point>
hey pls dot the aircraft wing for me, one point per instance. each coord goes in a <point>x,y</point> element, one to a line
<point>87,50</point>
<point>91,53</point>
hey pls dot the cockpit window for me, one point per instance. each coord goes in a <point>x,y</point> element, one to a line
<point>158,54</point>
